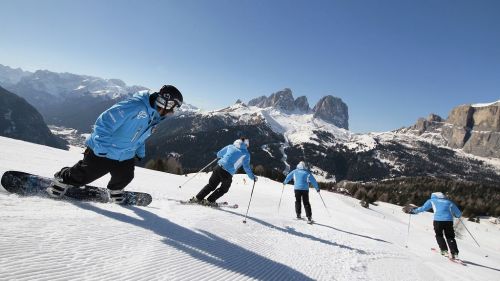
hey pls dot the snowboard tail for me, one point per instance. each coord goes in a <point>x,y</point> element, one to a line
<point>27,184</point>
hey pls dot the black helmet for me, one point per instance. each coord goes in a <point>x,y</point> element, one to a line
<point>169,97</point>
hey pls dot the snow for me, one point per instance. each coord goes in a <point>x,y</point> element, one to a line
<point>45,239</point>
<point>485,104</point>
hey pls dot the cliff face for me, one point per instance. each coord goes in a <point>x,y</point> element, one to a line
<point>473,128</point>
<point>476,129</point>
<point>333,110</point>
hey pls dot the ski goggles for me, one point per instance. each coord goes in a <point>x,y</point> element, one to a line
<point>161,102</point>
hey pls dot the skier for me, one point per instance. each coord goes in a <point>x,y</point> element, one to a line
<point>302,178</point>
<point>232,157</point>
<point>444,211</point>
<point>117,140</point>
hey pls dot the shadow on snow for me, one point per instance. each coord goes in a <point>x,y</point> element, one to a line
<point>205,246</point>
<point>292,231</point>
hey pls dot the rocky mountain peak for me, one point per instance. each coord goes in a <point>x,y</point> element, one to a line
<point>473,128</point>
<point>333,110</point>
<point>434,118</point>
<point>328,108</point>
<point>282,100</point>
<point>302,104</point>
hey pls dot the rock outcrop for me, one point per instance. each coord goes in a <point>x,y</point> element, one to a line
<point>333,110</point>
<point>473,128</point>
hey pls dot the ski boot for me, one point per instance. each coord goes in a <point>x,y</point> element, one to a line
<point>116,196</point>
<point>310,220</point>
<point>211,204</point>
<point>444,253</point>
<point>195,200</point>
<point>299,217</point>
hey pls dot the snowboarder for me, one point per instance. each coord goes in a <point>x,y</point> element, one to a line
<point>232,157</point>
<point>444,211</point>
<point>117,140</point>
<point>302,177</point>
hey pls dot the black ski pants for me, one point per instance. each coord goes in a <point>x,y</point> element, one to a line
<point>93,167</point>
<point>445,227</point>
<point>302,195</point>
<point>219,175</point>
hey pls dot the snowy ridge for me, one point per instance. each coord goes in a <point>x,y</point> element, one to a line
<point>485,104</point>
<point>46,239</point>
<point>297,128</point>
<point>58,84</point>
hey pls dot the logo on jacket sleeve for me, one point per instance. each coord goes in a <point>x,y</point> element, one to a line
<point>142,114</point>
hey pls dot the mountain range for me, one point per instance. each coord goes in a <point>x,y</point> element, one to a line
<point>283,130</point>
<point>66,99</point>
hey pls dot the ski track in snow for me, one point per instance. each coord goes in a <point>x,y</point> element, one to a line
<point>45,239</point>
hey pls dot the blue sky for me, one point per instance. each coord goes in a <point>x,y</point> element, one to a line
<point>390,61</point>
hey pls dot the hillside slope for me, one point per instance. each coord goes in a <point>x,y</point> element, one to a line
<point>46,239</point>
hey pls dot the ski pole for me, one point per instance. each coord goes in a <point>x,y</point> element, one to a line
<point>251,194</point>
<point>469,232</point>
<point>324,204</point>
<point>279,204</point>
<point>408,234</point>
<point>198,172</point>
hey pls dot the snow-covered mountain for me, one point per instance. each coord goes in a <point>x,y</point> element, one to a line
<point>472,128</point>
<point>329,108</point>
<point>283,131</point>
<point>61,85</point>
<point>280,139</point>
<point>66,99</point>
<point>45,239</point>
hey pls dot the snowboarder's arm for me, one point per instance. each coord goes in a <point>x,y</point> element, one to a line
<point>141,151</point>
<point>427,206</point>
<point>110,120</point>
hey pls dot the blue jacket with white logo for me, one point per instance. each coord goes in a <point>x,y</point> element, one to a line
<point>301,178</point>
<point>444,209</point>
<point>233,156</point>
<point>121,131</point>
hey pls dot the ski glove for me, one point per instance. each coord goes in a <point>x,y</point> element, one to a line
<point>137,158</point>
<point>254,178</point>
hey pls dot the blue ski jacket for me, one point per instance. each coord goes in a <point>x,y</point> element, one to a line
<point>444,209</point>
<point>301,178</point>
<point>121,131</point>
<point>233,156</point>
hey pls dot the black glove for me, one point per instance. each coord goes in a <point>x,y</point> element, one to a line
<point>255,178</point>
<point>409,209</point>
<point>137,158</point>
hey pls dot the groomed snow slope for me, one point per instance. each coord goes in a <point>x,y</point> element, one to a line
<point>44,239</point>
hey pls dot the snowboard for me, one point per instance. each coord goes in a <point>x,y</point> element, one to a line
<point>27,184</point>
<point>219,204</point>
